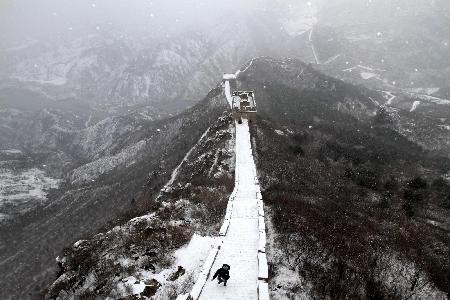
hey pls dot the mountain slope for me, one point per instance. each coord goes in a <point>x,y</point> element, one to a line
<point>345,192</point>
<point>116,173</point>
<point>141,251</point>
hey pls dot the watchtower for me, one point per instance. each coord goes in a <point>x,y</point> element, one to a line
<point>244,105</point>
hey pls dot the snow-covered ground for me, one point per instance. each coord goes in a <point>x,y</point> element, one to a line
<point>242,235</point>
<point>191,258</point>
<point>228,93</point>
<point>29,184</point>
<point>240,244</point>
<point>25,186</point>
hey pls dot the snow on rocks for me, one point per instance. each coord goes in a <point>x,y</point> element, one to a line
<point>79,243</point>
<point>188,259</point>
<point>279,132</point>
<point>414,106</point>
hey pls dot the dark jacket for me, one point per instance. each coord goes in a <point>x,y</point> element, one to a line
<point>222,273</point>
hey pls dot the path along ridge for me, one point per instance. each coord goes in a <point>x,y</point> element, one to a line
<point>242,242</point>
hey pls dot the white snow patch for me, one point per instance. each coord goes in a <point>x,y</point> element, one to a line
<point>78,243</point>
<point>56,81</point>
<point>28,185</point>
<point>447,127</point>
<point>229,76</point>
<point>364,68</point>
<point>427,91</point>
<point>279,132</point>
<point>430,99</point>
<point>193,255</point>
<point>228,93</point>
<point>313,48</point>
<point>11,151</point>
<point>136,285</point>
<point>414,106</point>
<point>247,67</point>
<point>390,97</point>
<point>332,59</point>
<point>368,75</point>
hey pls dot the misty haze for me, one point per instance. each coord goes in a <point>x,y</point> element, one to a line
<point>240,149</point>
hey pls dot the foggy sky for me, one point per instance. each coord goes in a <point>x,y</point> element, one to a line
<point>25,19</point>
<point>22,20</point>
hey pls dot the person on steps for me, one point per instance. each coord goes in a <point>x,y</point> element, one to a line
<point>223,274</point>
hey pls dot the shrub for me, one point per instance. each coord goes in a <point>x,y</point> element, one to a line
<point>409,209</point>
<point>440,184</point>
<point>412,197</point>
<point>298,150</point>
<point>391,184</point>
<point>418,183</point>
<point>446,203</point>
<point>367,178</point>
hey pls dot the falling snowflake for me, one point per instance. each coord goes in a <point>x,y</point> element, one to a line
<point>394,83</point>
<point>379,34</point>
<point>97,28</point>
<point>93,5</point>
<point>416,70</point>
<point>445,44</point>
